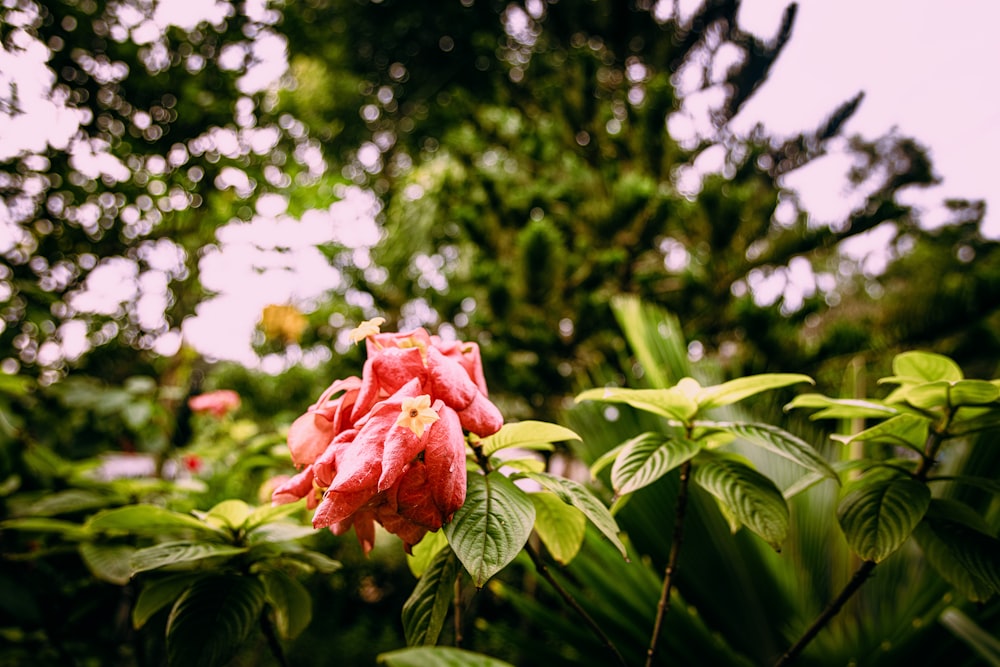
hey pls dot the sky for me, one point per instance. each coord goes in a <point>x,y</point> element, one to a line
<point>924,70</point>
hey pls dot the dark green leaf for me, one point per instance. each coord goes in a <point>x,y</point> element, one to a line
<point>578,496</point>
<point>980,640</point>
<point>745,496</point>
<point>438,656</point>
<point>736,390</point>
<point>525,434</point>
<point>560,526</point>
<point>488,531</point>
<point>956,542</point>
<point>879,511</point>
<point>157,594</point>
<point>212,620</point>
<point>291,602</point>
<point>648,457</point>
<point>108,562</point>
<point>176,553</point>
<point>779,441</point>
<point>425,611</point>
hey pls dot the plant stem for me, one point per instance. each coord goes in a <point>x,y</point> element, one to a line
<point>458,609</point>
<point>543,570</point>
<point>663,606</point>
<point>859,577</point>
<point>272,639</point>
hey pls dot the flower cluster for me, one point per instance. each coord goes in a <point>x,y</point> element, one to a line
<point>389,447</point>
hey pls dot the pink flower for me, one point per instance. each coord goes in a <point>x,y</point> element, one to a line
<point>218,403</point>
<point>390,449</point>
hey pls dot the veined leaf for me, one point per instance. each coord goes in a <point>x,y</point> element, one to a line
<point>841,408</point>
<point>957,543</point>
<point>525,434</point>
<point>313,560</point>
<point>159,593</point>
<point>150,520</point>
<point>279,531</point>
<point>268,513</point>
<point>745,496</point>
<point>807,481</point>
<point>212,619</point>
<point>424,551</point>
<point>175,553</point>
<point>438,656</point>
<point>560,526</point>
<point>916,367</point>
<point>108,562</point>
<point>425,610</point>
<point>488,531</point>
<point>879,511</point>
<point>779,441</point>
<point>291,602</point>
<point>231,514</point>
<point>673,403</point>
<point>575,494</point>
<point>648,457</point>
<point>605,459</point>
<point>903,430</point>
<point>745,387</point>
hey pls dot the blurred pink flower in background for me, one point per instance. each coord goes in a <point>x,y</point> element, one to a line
<point>218,403</point>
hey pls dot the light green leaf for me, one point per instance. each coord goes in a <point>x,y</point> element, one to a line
<point>917,367</point>
<point>841,408</point>
<point>37,524</point>
<point>488,531</point>
<point>212,620</point>
<point>648,457</point>
<point>280,531</point>
<point>779,441</point>
<point>176,553</point>
<point>604,460</point>
<point>231,514</point>
<point>984,643</point>
<point>560,526</point>
<point>291,602</point>
<point>438,656</point>
<point>519,464</point>
<point>956,542</point>
<point>807,481</point>
<point>424,551</point>
<point>575,494</point>
<point>744,387</point>
<point>879,511</point>
<point>313,560</point>
<point>949,394</point>
<point>108,562</point>
<point>525,434</point>
<point>424,612</point>
<point>71,500</point>
<point>673,403</point>
<point>150,520</point>
<point>904,430</point>
<point>745,496</point>
<point>985,483</point>
<point>268,513</point>
<point>159,593</point>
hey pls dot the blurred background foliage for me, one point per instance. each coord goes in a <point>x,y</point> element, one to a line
<point>529,162</point>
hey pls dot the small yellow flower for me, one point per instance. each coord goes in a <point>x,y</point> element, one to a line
<point>366,329</point>
<point>417,414</point>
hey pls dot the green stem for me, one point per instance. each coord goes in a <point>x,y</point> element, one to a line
<point>272,639</point>
<point>458,609</point>
<point>543,570</point>
<point>663,606</point>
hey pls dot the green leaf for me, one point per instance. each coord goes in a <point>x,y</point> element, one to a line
<point>212,619</point>
<point>150,520</point>
<point>950,394</point>
<point>879,511</point>
<point>604,460</point>
<point>744,387</point>
<point>291,602</point>
<point>313,560</point>
<point>159,593</point>
<point>674,403</point>
<point>779,441</point>
<point>108,562</point>
<point>919,367</point>
<point>280,532</point>
<point>519,464</point>
<point>807,481</point>
<point>70,501</point>
<point>648,457</point>
<point>904,430</point>
<point>526,434</point>
<point>37,524</point>
<point>841,408</point>
<point>745,496</point>
<point>956,542</point>
<point>488,531</point>
<point>231,514</point>
<point>424,612</point>
<point>268,513</point>
<point>560,526</point>
<point>176,553</point>
<point>985,483</point>
<point>424,551</point>
<point>984,643</point>
<point>578,496</point>
<point>438,656</point>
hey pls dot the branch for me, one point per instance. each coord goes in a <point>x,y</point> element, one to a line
<point>675,549</point>
<point>272,639</point>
